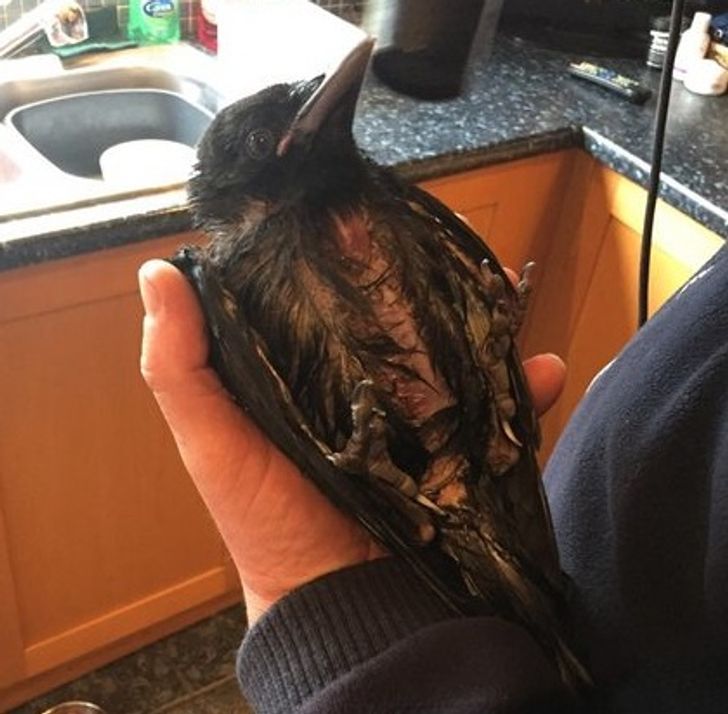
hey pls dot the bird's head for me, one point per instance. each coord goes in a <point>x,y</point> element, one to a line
<point>288,142</point>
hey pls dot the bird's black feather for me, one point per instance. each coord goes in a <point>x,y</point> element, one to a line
<point>235,354</point>
<point>327,278</point>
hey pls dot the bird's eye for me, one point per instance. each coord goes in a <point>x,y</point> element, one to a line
<point>259,143</point>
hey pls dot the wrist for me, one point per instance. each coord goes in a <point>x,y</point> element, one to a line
<point>260,597</point>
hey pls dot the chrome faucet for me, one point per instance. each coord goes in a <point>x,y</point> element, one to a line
<point>62,21</point>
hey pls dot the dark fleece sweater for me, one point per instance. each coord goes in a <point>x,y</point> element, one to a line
<point>638,487</point>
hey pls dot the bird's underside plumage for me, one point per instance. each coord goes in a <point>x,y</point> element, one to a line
<point>371,338</point>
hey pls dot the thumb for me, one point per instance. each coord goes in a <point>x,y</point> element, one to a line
<point>174,341</point>
<point>211,433</point>
<point>546,375</point>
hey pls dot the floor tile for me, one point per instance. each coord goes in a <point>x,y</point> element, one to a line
<point>223,698</point>
<point>160,674</point>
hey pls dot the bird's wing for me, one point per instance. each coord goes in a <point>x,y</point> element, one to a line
<point>521,485</point>
<point>239,358</point>
<point>513,560</point>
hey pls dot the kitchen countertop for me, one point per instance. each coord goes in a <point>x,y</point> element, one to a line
<point>518,103</point>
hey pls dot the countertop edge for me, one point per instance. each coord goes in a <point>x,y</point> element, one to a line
<point>569,137</point>
<point>671,191</point>
<point>103,235</point>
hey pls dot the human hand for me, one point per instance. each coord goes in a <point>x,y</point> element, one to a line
<point>281,532</point>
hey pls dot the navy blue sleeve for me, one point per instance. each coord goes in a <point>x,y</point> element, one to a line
<point>638,488</point>
<point>372,639</point>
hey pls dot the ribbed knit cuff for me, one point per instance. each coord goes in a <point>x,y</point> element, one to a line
<point>329,626</point>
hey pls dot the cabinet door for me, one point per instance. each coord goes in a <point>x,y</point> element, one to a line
<point>514,207</point>
<point>104,534</point>
<point>586,306</point>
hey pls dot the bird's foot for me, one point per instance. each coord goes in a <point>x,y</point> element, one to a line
<point>524,288</point>
<point>366,450</point>
<point>186,259</point>
<point>366,453</point>
<point>508,316</point>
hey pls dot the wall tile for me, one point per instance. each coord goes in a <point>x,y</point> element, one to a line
<point>349,9</point>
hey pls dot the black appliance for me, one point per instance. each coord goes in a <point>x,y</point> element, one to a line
<point>423,46</point>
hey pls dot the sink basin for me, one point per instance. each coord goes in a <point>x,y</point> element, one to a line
<point>58,119</point>
<point>73,131</point>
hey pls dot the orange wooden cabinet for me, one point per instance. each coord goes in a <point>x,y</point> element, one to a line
<point>585,305</point>
<point>514,206</point>
<point>104,543</point>
<point>581,223</point>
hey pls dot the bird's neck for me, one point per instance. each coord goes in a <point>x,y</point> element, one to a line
<point>335,178</point>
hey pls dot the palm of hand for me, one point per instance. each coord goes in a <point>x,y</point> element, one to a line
<point>279,530</point>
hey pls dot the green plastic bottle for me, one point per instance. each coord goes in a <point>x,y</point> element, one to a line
<point>153,22</point>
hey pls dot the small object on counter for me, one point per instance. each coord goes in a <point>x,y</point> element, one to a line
<point>620,84</point>
<point>659,33</point>
<point>104,35</point>
<point>206,29</point>
<point>693,44</point>
<point>707,77</point>
<point>63,22</point>
<point>658,48</point>
<point>153,22</point>
<point>67,25</point>
<point>424,46</point>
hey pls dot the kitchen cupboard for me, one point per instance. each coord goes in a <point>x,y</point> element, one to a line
<point>585,304</point>
<point>105,545</point>
<point>513,206</point>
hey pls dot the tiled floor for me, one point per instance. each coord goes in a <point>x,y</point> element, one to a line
<point>190,671</point>
<point>220,698</point>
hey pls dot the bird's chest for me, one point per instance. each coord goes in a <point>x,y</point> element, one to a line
<point>379,312</point>
<point>369,264</point>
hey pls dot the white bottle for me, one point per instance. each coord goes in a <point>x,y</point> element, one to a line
<point>693,45</point>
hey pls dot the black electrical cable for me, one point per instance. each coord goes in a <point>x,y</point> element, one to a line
<point>663,100</point>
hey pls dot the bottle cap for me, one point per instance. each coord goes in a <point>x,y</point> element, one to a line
<point>701,22</point>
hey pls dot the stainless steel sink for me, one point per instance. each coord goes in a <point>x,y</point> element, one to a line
<point>73,131</point>
<point>19,92</point>
<point>58,119</point>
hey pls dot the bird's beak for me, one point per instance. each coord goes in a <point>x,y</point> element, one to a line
<point>338,86</point>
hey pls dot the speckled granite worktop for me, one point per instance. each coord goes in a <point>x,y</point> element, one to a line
<point>519,103</point>
<point>523,102</point>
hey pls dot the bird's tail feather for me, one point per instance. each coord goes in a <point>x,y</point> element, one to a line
<point>517,594</point>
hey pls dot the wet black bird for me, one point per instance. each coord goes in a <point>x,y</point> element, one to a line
<point>369,332</point>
